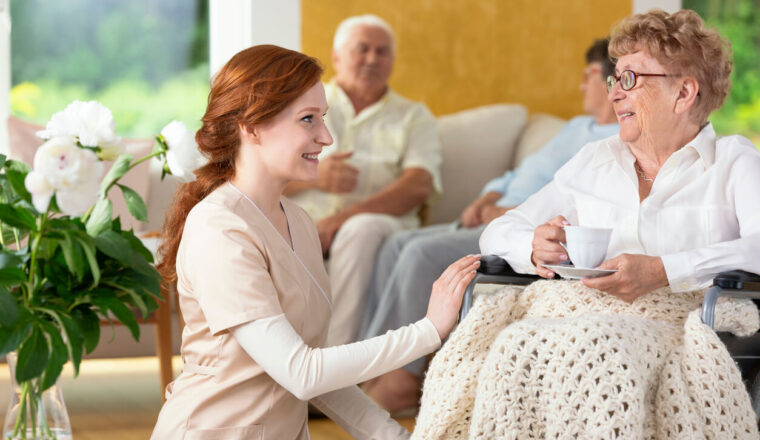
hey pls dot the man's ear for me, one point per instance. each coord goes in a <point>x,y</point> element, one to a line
<point>334,58</point>
<point>687,95</point>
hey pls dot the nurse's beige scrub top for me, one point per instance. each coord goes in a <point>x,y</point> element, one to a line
<point>232,268</point>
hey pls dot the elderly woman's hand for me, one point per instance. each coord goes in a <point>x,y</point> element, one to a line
<point>636,275</point>
<point>546,245</point>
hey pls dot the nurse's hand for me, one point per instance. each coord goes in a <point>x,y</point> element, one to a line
<point>546,245</point>
<point>447,293</point>
<point>636,275</point>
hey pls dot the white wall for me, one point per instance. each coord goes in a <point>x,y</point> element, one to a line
<point>5,73</point>
<point>238,24</point>
<point>666,5</point>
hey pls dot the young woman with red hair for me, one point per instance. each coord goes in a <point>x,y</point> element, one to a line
<point>250,278</point>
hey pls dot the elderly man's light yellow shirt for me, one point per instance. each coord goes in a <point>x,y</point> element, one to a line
<point>386,138</point>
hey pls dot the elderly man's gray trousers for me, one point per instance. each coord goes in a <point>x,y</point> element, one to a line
<point>406,267</point>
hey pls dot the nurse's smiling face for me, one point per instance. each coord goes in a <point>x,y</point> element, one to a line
<point>291,141</point>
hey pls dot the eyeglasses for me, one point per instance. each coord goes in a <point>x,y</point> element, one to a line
<point>627,79</point>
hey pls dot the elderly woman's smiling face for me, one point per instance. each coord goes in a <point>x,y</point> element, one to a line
<point>646,111</point>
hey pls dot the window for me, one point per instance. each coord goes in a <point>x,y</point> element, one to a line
<point>739,22</point>
<point>146,60</point>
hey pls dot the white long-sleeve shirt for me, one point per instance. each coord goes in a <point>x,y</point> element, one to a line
<point>327,375</point>
<point>701,217</point>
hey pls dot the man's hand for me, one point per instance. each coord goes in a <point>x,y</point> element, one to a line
<point>335,175</point>
<point>472,215</point>
<point>327,228</point>
<point>489,212</point>
<point>636,275</point>
<point>546,245</point>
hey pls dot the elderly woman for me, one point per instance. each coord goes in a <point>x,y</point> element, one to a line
<point>620,356</point>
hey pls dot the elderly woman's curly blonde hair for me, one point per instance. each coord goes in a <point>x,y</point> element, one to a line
<point>680,43</point>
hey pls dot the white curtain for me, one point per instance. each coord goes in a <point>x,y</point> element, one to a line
<point>5,73</point>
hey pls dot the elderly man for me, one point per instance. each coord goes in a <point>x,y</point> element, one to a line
<point>410,261</point>
<point>383,165</point>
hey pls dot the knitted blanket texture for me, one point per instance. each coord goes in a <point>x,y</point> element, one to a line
<point>559,360</point>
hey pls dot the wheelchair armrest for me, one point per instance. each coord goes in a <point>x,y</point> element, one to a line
<point>493,270</point>
<point>735,284</point>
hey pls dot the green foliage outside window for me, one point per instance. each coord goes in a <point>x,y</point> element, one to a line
<point>145,60</point>
<point>739,22</point>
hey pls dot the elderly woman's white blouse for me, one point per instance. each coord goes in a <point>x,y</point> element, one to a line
<point>701,217</point>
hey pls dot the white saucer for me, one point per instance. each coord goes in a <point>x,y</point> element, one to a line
<point>576,273</point>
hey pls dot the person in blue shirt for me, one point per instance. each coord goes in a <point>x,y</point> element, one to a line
<point>410,261</point>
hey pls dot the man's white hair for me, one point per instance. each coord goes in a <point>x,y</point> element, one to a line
<point>346,26</point>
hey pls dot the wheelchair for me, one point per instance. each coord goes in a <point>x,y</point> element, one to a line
<point>734,284</point>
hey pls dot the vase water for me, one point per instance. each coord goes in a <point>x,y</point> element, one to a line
<point>35,415</point>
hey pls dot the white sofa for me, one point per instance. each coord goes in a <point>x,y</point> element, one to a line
<point>482,143</point>
<point>478,145</point>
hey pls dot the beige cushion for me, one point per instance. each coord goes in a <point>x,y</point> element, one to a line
<point>161,196</point>
<point>478,144</point>
<point>541,128</point>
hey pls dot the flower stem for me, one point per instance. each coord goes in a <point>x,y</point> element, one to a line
<point>149,156</point>
<point>110,185</point>
<point>21,418</point>
<point>35,246</point>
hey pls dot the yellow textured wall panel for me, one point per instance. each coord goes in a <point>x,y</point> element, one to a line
<point>455,55</point>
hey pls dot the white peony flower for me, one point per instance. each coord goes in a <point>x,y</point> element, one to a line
<point>90,122</point>
<point>42,191</point>
<point>71,172</point>
<point>183,156</point>
<point>110,151</point>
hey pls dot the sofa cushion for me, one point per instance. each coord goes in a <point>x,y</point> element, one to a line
<point>541,128</point>
<point>478,144</point>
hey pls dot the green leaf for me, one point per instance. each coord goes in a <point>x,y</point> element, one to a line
<point>119,168</point>
<point>33,356</point>
<point>100,218</point>
<point>11,337</point>
<point>58,356</point>
<point>16,180</point>
<point>114,245</point>
<point>3,158</point>
<point>122,312</point>
<point>72,254</point>
<point>18,218</point>
<point>135,203</point>
<point>19,166</point>
<point>8,308</point>
<point>11,276</point>
<point>71,330</point>
<point>10,259</point>
<point>74,339</point>
<point>137,301</point>
<point>148,282</point>
<point>88,246</point>
<point>89,324</point>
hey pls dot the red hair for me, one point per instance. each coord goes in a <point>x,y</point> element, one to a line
<point>252,88</point>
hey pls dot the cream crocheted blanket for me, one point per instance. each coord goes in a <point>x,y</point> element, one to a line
<point>559,360</point>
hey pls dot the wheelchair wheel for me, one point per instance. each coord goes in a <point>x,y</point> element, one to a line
<point>754,394</point>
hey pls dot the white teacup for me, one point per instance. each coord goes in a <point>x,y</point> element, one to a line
<point>587,246</point>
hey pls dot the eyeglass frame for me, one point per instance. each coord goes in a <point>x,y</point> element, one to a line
<point>616,78</point>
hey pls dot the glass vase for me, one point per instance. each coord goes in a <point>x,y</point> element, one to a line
<point>34,414</point>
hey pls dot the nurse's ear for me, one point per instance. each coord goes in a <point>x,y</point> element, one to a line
<point>250,137</point>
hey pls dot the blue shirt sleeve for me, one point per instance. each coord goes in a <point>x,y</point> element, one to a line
<point>538,169</point>
<point>499,184</point>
